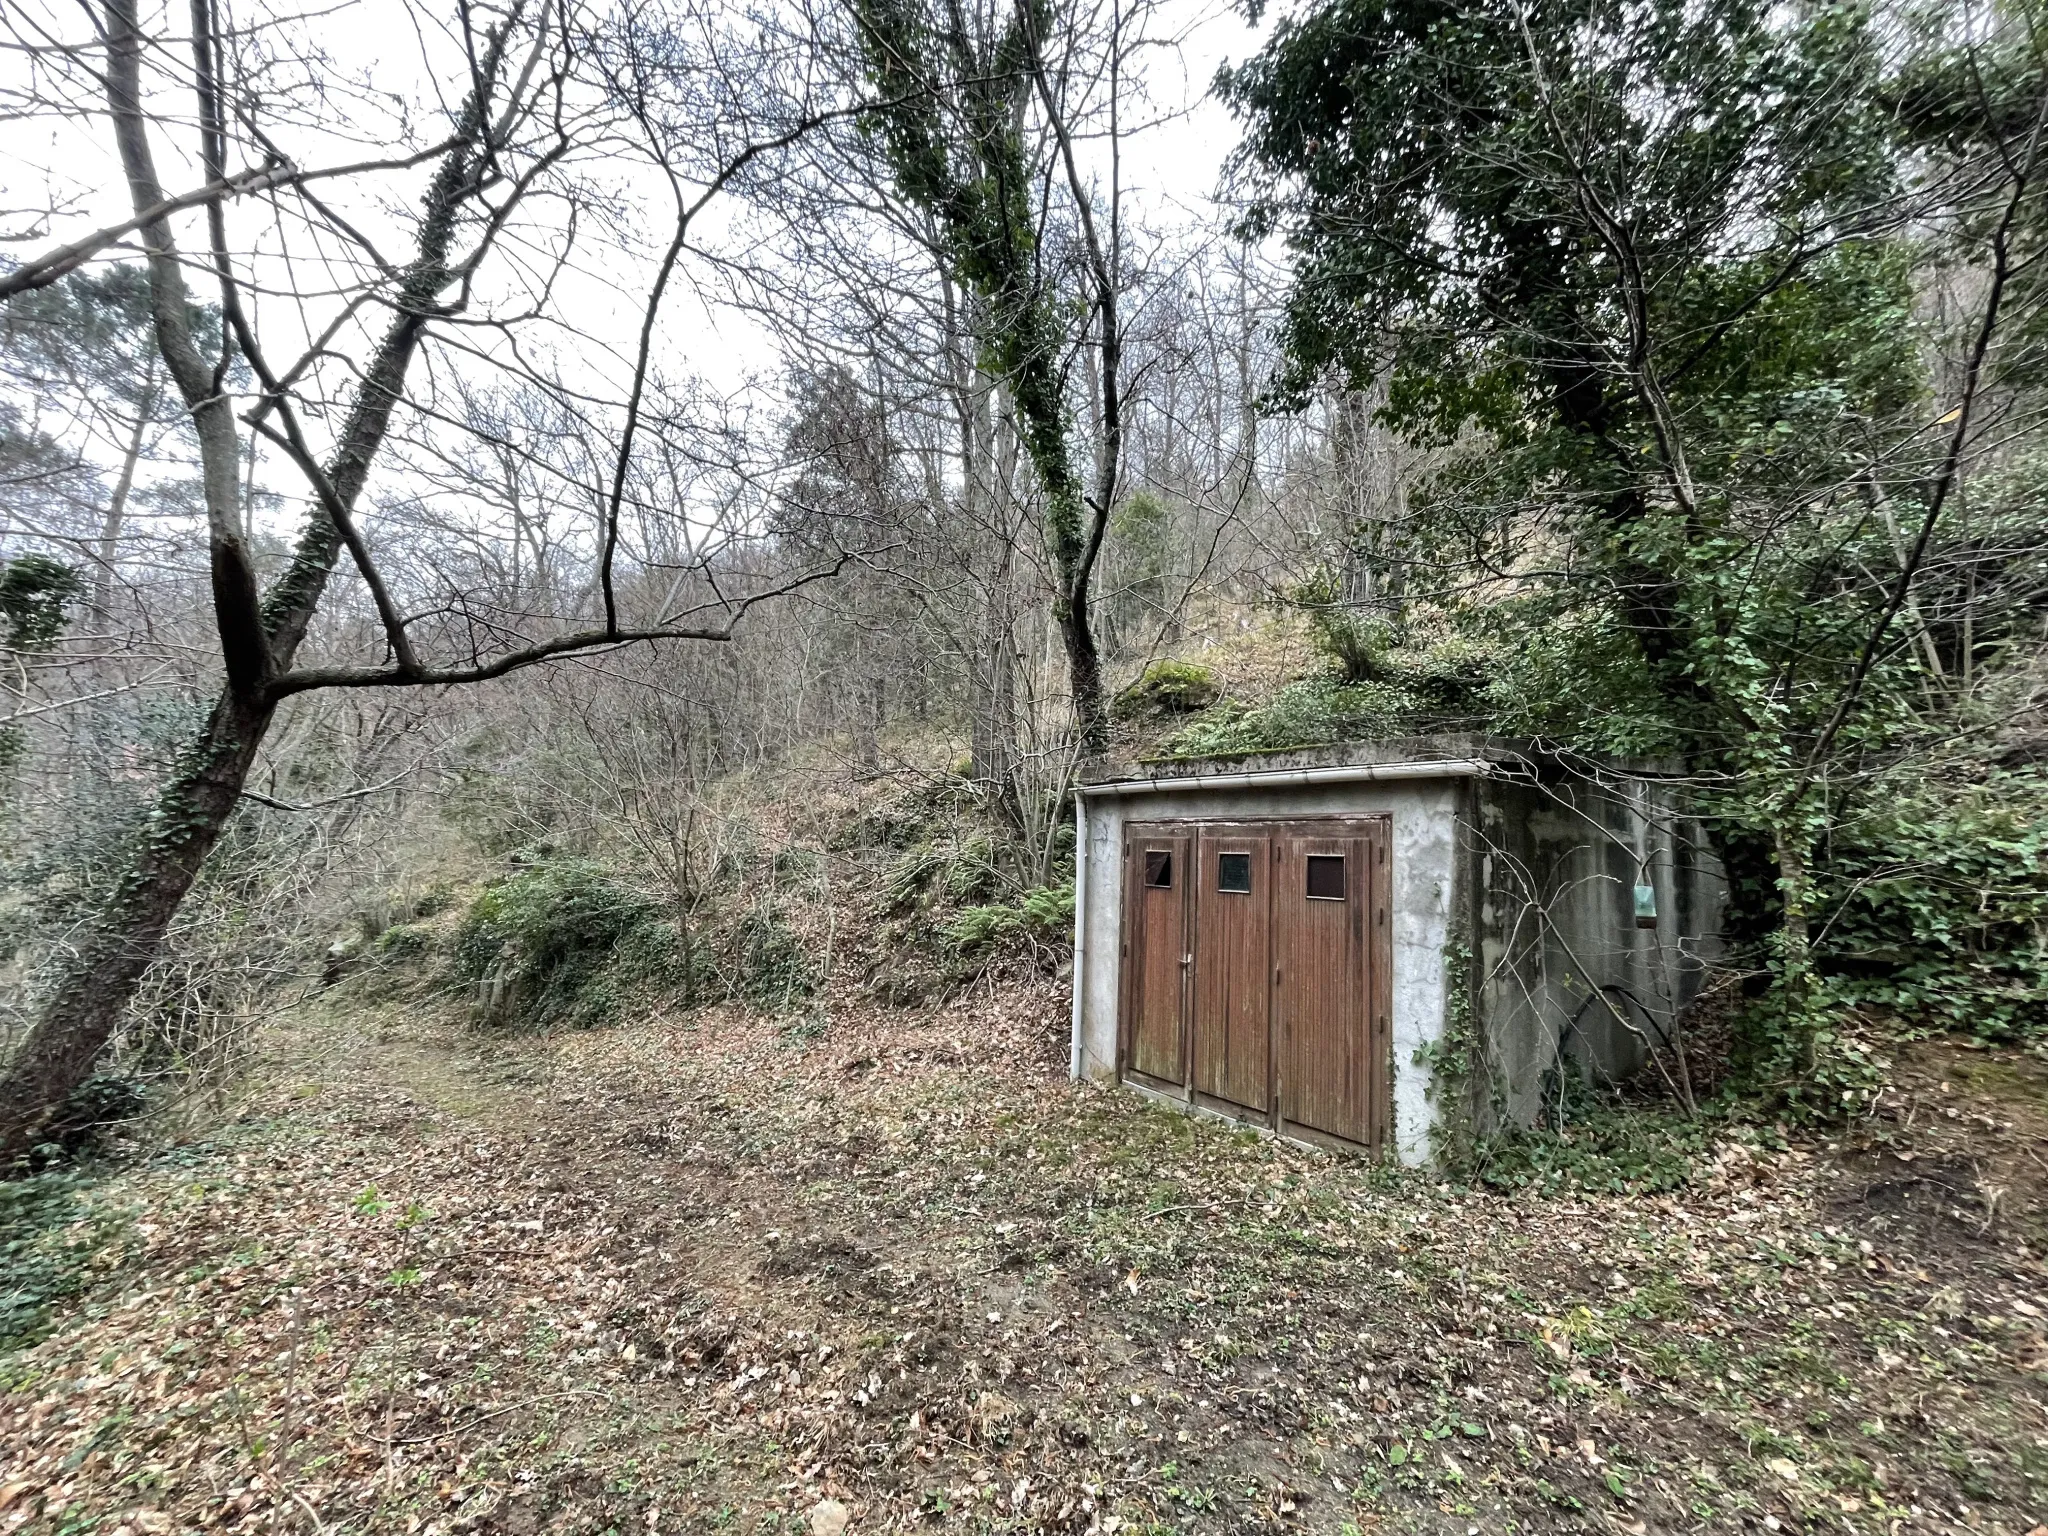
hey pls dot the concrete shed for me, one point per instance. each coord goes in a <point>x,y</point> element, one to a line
<point>1380,947</point>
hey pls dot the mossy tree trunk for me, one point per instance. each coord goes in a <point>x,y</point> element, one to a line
<point>259,637</point>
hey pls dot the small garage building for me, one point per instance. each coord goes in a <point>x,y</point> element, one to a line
<point>1368,947</point>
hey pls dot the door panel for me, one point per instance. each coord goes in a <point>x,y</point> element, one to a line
<point>1232,1014</point>
<point>1379,982</point>
<point>1256,969</point>
<point>1324,907</point>
<point>1156,862</point>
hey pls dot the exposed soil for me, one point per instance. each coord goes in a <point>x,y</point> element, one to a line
<point>715,1276</point>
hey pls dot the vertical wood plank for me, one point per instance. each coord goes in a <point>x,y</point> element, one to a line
<point>1232,1012</point>
<point>1155,920</point>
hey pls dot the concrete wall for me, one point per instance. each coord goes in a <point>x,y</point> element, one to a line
<point>1564,977</point>
<point>1425,817</point>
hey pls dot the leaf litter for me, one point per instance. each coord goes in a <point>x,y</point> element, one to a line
<point>897,1273</point>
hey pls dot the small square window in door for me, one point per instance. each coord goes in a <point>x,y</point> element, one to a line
<point>1234,873</point>
<point>1325,876</point>
<point>1159,868</point>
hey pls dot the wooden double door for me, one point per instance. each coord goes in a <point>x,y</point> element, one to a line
<point>1256,971</point>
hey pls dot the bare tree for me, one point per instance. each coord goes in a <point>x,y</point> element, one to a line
<point>554,98</point>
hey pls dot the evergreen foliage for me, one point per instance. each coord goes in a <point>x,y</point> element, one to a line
<point>1648,278</point>
<point>33,591</point>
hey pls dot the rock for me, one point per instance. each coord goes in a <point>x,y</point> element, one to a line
<point>828,1518</point>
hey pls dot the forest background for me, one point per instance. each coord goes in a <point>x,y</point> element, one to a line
<point>406,567</point>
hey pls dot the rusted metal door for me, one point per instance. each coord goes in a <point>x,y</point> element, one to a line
<point>1155,951</point>
<point>1233,1029</point>
<point>1330,990</point>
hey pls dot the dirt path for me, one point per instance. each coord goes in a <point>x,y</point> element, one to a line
<point>728,1276</point>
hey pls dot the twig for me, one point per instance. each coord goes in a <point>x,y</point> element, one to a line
<point>482,1418</point>
<point>312,1514</point>
<point>1207,1205</point>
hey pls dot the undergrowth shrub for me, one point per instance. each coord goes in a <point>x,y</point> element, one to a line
<point>774,970</point>
<point>542,940</point>
<point>570,943</point>
<point>1804,1054</point>
<point>1607,1147</point>
<point>1309,713</point>
<point>657,957</point>
<point>48,1239</point>
<point>948,871</point>
<point>932,810</point>
<point>797,866</point>
<point>1043,914</point>
<point>405,941</point>
<point>1168,687</point>
<point>1935,908</point>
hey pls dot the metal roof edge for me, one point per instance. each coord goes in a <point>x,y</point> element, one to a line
<point>1282,778</point>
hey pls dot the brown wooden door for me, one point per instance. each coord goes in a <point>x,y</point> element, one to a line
<point>1156,864</point>
<point>1329,986</point>
<point>1257,970</point>
<point>1233,1030</point>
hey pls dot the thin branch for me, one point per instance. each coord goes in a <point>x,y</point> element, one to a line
<point>686,214</point>
<point>577,641</point>
<point>43,270</point>
<point>340,799</point>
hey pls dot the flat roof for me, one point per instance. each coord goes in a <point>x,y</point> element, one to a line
<point>1468,754</point>
<point>1463,755</point>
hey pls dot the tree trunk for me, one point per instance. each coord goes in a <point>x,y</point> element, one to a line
<point>117,505</point>
<point>1792,884</point>
<point>1084,668</point>
<point>258,643</point>
<point>989,454</point>
<point>91,998</point>
<point>867,724</point>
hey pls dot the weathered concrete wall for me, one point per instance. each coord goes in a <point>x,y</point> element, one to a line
<point>1424,815</point>
<point>1564,977</point>
<point>1514,881</point>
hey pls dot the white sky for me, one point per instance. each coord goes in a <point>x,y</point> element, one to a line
<point>379,68</point>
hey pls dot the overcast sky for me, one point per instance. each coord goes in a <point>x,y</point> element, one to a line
<point>380,67</point>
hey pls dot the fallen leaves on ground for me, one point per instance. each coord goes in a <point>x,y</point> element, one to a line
<point>715,1275</point>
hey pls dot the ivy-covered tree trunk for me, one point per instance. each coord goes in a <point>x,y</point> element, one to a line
<point>90,999</point>
<point>1084,668</point>
<point>259,641</point>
